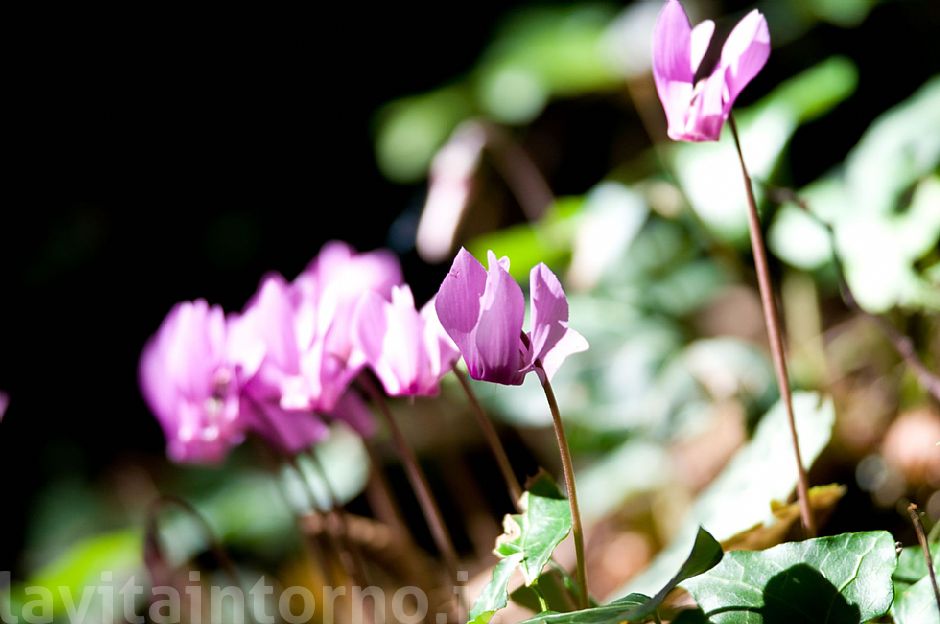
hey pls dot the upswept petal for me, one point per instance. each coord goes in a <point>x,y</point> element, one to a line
<point>549,309</point>
<point>498,339</point>
<point>458,303</point>
<point>570,343</point>
<point>744,54</point>
<point>672,45</point>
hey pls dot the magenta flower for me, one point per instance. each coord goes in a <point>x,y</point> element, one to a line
<point>190,384</point>
<point>408,350</point>
<point>483,312</point>
<point>697,106</point>
<point>294,341</point>
<point>4,404</point>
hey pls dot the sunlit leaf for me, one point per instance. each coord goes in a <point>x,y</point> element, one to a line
<point>495,594</point>
<point>917,605</point>
<point>843,579</point>
<point>527,544</point>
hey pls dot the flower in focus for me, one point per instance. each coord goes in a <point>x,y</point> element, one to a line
<point>483,311</point>
<point>407,349</point>
<point>190,384</point>
<point>697,105</point>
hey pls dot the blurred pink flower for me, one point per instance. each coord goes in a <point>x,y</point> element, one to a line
<point>483,311</point>
<point>4,404</point>
<point>408,350</point>
<point>696,109</point>
<point>294,341</point>
<point>190,384</point>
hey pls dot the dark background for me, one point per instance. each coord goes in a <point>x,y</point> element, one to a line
<point>255,133</point>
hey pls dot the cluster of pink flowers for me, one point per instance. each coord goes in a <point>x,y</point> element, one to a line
<point>283,368</point>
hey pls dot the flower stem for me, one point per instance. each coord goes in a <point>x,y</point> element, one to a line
<point>774,335</point>
<point>922,538</point>
<point>492,438</point>
<point>339,528</point>
<point>419,482</point>
<point>576,528</point>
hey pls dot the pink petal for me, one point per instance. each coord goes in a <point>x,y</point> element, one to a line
<point>288,431</point>
<point>672,45</point>
<point>571,342</point>
<point>352,410</point>
<point>707,113</point>
<point>4,404</point>
<point>549,309</point>
<point>498,334</point>
<point>744,54</point>
<point>441,350</point>
<point>672,54</point>
<point>458,303</point>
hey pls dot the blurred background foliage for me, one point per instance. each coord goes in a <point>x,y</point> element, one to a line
<point>671,411</point>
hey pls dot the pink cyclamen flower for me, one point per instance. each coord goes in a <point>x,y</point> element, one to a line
<point>4,404</point>
<point>190,384</point>
<point>483,312</point>
<point>296,339</point>
<point>408,350</point>
<point>696,110</point>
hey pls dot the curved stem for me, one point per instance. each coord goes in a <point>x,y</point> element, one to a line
<point>774,334</point>
<point>419,482</point>
<point>577,529</point>
<point>492,438</point>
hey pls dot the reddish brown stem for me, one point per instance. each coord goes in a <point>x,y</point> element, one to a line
<point>567,466</point>
<point>419,483</point>
<point>492,438</point>
<point>922,538</point>
<point>774,334</point>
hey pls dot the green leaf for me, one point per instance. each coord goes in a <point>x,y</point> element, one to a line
<point>705,555</point>
<point>528,542</point>
<point>916,605</point>
<point>830,580</point>
<point>913,590</point>
<point>543,524</point>
<point>496,593</point>
<point>912,566</point>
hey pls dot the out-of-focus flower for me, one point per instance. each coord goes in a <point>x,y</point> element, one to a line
<point>407,349</point>
<point>190,384</point>
<point>697,105</point>
<point>295,342</point>
<point>483,311</point>
<point>4,404</point>
<point>450,188</point>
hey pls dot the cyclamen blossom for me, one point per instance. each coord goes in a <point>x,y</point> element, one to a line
<point>190,383</point>
<point>4,404</point>
<point>697,110</point>
<point>408,350</point>
<point>483,312</point>
<point>302,331</point>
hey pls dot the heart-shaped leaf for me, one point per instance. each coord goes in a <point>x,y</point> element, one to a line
<point>843,579</point>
